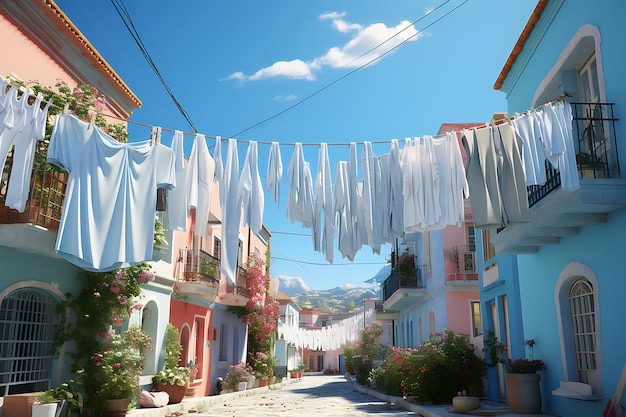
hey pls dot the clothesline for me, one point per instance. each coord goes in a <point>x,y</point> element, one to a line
<point>291,144</point>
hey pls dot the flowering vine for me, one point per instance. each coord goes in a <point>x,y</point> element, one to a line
<point>261,315</point>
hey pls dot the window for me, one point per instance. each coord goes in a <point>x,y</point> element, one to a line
<point>582,312</point>
<point>217,248</point>
<point>578,313</point>
<point>488,250</point>
<point>588,77</point>
<point>471,238</point>
<point>28,319</point>
<point>431,323</point>
<point>477,328</point>
<point>223,344</point>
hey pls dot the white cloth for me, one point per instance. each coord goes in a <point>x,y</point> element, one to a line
<point>108,213</point>
<point>324,230</point>
<point>300,200</point>
<point>533,155</point>
<point>231,213</point>
<point>274,172</point>
<point>25,141</point>
<point>346,225</point>
<point>200,172</point>
<point>177,207</point>
<point>567,161</point>
<point>250,190</point>
<point>397,197</point>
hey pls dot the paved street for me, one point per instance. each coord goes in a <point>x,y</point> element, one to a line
<point>313,395</point>
<point>316,395</point>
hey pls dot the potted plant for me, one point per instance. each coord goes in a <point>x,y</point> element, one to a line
<point>238,373</point>
<point>172,379</point>
<point>69,393</point>
<point>263,367</point>
<point>120,363</point>
<point>46,405</point>
<point>406,269</point>
<point>522,382</point>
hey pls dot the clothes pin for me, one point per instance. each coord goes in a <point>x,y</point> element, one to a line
<point>92,120</point>
<point>155,135</point>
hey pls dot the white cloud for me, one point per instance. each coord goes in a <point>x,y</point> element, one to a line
<point>347,55</point>
<point>285,98</point>
<point>364,41</point>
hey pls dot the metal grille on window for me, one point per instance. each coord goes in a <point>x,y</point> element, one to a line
<point>582,317</point>
<point>28,319</point>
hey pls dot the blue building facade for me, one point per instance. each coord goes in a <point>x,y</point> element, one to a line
<point>558,280</point>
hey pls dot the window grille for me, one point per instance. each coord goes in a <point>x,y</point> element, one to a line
<point>582,317</point>
<point>28,320</point>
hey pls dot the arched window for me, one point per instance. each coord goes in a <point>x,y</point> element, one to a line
<point>431,323</point>
<point>582,319</point>
<point>578,315</point>
<point>28,321</point>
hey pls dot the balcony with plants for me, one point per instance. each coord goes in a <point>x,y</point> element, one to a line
<point>198,274</point>
<point>405,285</point>
<point>556,213</point>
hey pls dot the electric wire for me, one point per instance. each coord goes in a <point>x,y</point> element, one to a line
<point>130,26</point>
<point>327,264</point>
<point>318,91</point>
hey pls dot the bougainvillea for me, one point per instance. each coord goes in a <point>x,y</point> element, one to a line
<point>261,317</point>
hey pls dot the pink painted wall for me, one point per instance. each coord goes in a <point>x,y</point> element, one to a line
<point>185,314</point>
<point>458,310</point>
<point>25,59</point>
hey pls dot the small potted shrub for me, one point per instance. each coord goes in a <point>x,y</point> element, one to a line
<point>238,373</point>
<point>172,379</point>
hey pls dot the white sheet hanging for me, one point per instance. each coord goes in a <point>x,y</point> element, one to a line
<point>231,213</point>
<point>324,230</point>
<point>200,172</point>
<point>274,172</point>
<point>251,190</point>
<point>300,199</point>
<point>177,205</point>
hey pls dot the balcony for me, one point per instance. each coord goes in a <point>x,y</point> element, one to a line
<point>198,274</point>
<point>556,213</point>
<point>400,293</point>
<point>465,274</point>
<point>236,294</point>
<point>382,314</point>
<point>35,228</point>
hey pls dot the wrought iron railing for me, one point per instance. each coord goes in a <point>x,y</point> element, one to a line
<point>394,282</point>
<point>241,283</point>
<point>595,144</point>
<point>198,266</point>
<point>45,198</point>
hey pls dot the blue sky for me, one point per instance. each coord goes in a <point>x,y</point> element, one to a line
<point>233,64</point>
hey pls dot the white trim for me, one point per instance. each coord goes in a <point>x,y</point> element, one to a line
<point>584,31</point>
<point>568,275</point>
<point>32,284</point>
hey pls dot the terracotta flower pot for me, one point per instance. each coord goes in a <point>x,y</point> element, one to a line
<point>116,407</point>
<point>523,393</point>
<point>176,392</point>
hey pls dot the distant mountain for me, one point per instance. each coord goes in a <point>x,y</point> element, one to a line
<point>292,285</point>
<point>335,300</point>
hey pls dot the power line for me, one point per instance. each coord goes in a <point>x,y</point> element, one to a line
<point>313,94</point>
<point>130,26</point>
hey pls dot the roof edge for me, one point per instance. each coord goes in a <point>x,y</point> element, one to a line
<point>519,45</point>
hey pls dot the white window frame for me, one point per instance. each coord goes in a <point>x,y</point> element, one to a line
<point>570,274</point>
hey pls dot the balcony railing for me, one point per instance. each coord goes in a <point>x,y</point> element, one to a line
<point>198,266</point>
<point>465,258</point>
<point>45,198</point>
<point>394,282</point>
<point>241,283</point>
<point>595,144</point>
